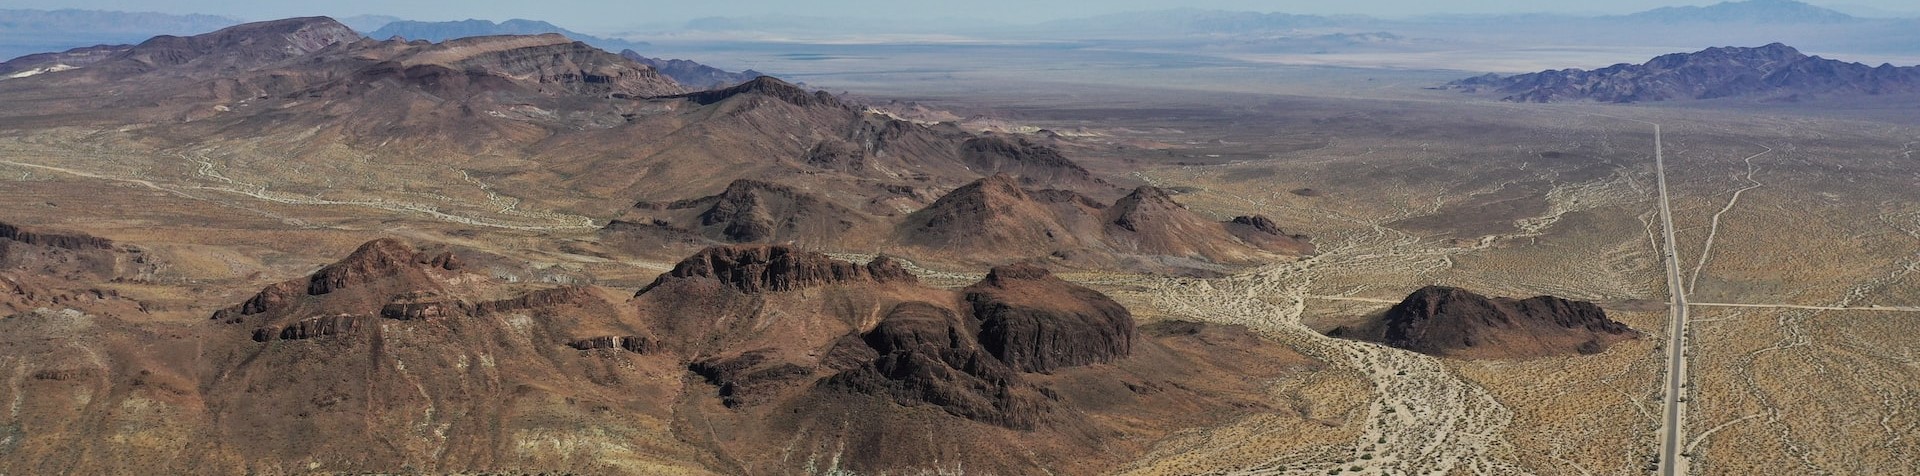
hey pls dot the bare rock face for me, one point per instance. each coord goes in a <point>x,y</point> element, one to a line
<point>544,298</point>
<point>310,328</point>
<point>750,378</point>
<point>1264,233</point>
<point>376,259</point>
<point>1449,321</point>
<point>1036,322</point>
<point>71,241</point>
<point>634,344</point>
<point>773,268</point>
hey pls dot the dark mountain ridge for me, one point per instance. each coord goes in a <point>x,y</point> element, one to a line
<point>1771,72</point>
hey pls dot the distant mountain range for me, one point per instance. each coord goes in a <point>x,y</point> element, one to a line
<point>1774,71</point>
<point>37,31</point>
<point>438,31</point>
<point>1750,11</point>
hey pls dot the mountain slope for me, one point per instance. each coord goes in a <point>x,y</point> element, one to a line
<point>1774,71</point>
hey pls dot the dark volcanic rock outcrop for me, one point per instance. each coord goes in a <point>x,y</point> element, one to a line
<point>771,268</point>
<point>384,278</point>
<point>924,354</point>
<point>1448,321</point>
<point>71,241</point>
<point>376,259</point>
<point>1263,232</point>
<point>1774,71</point>
<point>1036,322</point>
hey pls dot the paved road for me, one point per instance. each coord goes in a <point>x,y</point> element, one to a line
<point>1875,308</point>
<point>1674,414</point>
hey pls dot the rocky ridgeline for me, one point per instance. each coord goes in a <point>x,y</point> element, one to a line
<point>1774,71</point>
<point>773,268</point>
<point>73,241</point>
<point>766,86</point>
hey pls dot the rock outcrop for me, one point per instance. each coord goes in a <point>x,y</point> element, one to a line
<point>1036,322</point>
<point>1447,321</point>
<point>773,268</point>
<point>71,241</point>
<point>1264,233</point>
<point>634,344</point>
<point>924,354</point>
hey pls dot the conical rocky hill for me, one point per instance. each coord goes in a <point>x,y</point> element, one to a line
<point>1455,322</point>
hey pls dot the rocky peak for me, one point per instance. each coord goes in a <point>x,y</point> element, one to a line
<point>380,260</point>
<point>374,259</point>
<point>774,268</point>
<point>1145,201</point>
<point>1443,320</point>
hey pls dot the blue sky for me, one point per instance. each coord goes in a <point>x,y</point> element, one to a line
<point>613,15</point>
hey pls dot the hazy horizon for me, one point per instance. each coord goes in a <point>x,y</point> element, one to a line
<point>609,16</point>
